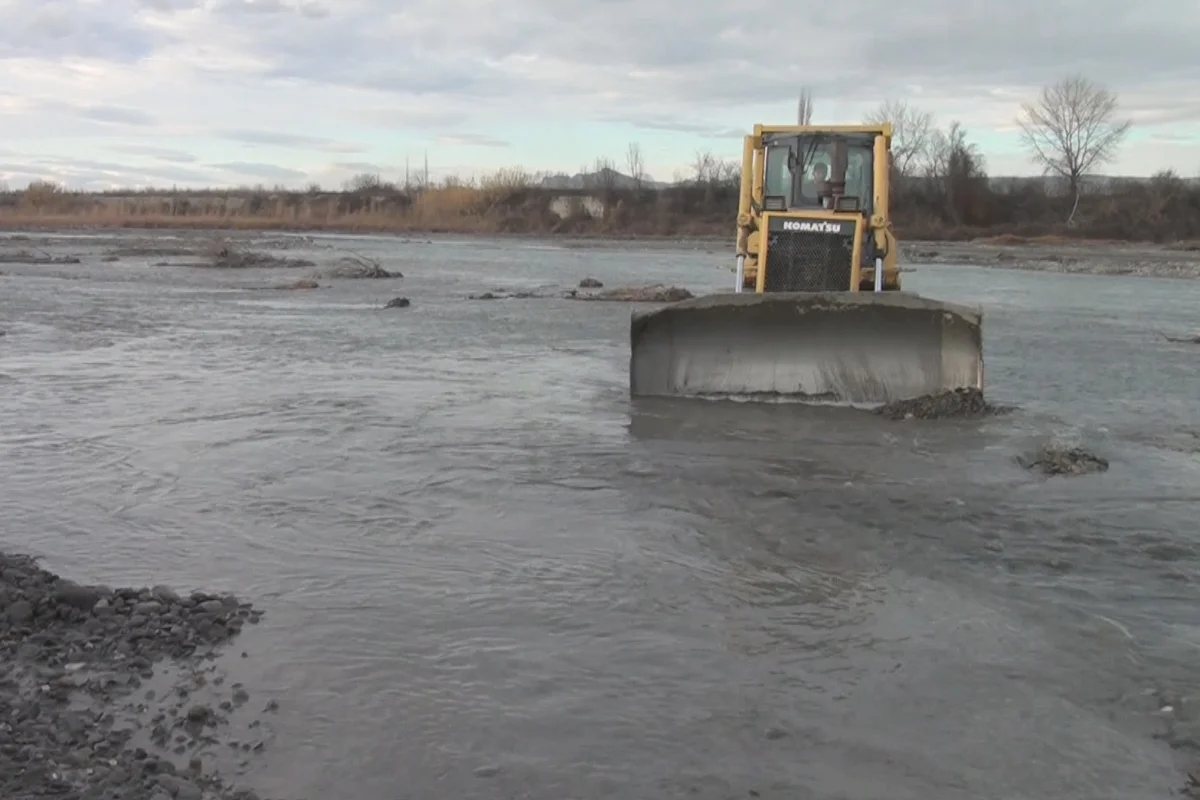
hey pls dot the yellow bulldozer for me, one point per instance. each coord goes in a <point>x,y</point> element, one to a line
<point>816,311</point>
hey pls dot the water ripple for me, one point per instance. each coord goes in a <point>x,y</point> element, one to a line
<point>490,574</point>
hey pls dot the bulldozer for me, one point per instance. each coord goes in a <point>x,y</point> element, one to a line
<point>816,312</point>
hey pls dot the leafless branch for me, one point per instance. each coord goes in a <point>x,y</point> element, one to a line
<point>635,164</point>
<point>703,166</point>
<point>804,107</point>
<point>912,130</point>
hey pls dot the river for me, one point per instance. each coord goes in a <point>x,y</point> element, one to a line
<point>487,574</point>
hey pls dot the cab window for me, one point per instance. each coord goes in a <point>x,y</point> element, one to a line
<point>778,178</point>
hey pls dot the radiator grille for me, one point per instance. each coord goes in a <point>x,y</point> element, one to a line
<point>807,261</point>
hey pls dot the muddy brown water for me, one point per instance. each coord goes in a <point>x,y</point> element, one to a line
<point>487,573</point>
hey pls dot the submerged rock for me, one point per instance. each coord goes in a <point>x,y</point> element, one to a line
<point>590,283</point>
<point>27,257</point>
<point>1194,339</point>
<point>655,293</point>
<point>1057,460</point>
<point>517,294</point>
<point>229,257</point>
<point>953,403</point>
<point>398,302</point>
<point>348,267</point>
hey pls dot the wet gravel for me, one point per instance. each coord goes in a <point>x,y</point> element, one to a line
<point>949,404</point>
<point>72,659</point>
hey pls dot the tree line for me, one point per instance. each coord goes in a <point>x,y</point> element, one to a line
<point>1070,131</point>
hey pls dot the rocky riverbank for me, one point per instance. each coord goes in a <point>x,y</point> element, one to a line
<point>111,694</point>
<point>1061,255</point>
<point>247,249</point>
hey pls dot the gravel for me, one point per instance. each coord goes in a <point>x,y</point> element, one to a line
<point>72,659</point>
<point>956,403</point>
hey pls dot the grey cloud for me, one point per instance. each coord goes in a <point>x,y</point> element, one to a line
<point>644,60</point>
<point>706,69</point>
<point>308,9</point>
<point>95,118</point>
<point>118,115</point>
<point>292,140</point>
<point>408,49</point>
<point>313,10</point>
<point>150,151</point>
<point>1025,42</point>
<point>69,169</point>
<point>58,28</point>
<point>79,163</point>
<point>387,73</point>
<point>173,174</point>
<point>170,5</point>
<point>251,7</point>
<point>362,166</point>
<point>470,140</point>
<point>259,170</point>
<point>681,126</point>
<point>425,117</point>
<point>1171,109</point>
<point>1174,138</point>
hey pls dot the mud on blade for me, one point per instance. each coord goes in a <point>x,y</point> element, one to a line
<point>850,347</point>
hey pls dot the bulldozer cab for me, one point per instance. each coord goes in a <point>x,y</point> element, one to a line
<point>819,171</point>
<point>813,213</point>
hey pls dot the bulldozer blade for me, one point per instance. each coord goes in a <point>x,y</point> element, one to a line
<point>856,348</point>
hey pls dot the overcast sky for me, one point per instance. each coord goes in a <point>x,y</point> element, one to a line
<point>204,92</point>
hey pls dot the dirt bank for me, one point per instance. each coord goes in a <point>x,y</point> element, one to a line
<point>72,659</point>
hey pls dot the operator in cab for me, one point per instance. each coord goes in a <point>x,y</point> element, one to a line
<point>820,179</point>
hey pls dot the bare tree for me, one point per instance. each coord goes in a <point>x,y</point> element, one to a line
<point>1072,129</point>
<point>363,182</point>
<point>606,174</point>
<point>912,130</point>
<point>703,167</point>
<point>955,169</point>
<point>587,179</point>
<point>727,173</point>
<point>804,107</point>
<point>635,165</point>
